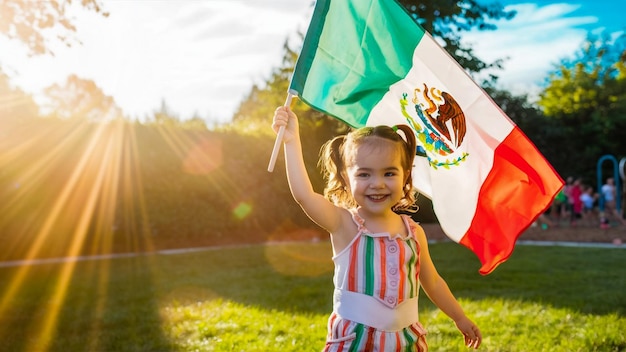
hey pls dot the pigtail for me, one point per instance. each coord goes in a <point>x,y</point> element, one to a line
<point>407,203</point>
<point>332,164</point>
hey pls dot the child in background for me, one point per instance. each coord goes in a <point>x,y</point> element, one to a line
<point>609,195</point>
<point>381,258</point>
<point>559,205</point>
<point>569,182</point>
<point>588,198</point>
<point>575,191</point>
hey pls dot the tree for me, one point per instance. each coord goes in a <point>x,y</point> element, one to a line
<point>531,120</point>
<point>195,123</point>
<point>446,20</point>
<point>15,105</point>
<point>80,98</point>
<point>255,110</point>
<point>586,97</point>
<point>38,24</point>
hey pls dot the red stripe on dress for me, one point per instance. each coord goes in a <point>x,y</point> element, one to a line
<point>417,264</point>
<point>331,329</point>
<point>398,342</point>
<point>413,242</point>
<point>519,187</point>
<point>345,327</point>
<point>331,323</point>
<point>414,330</point>
<point>340,347</point>
<point>354,255</point>
<point>369,344</point>
<point>402,280</point>
<point>420,342</point>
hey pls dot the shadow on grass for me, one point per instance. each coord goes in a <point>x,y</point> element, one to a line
<point>291,277</point>
<point>298,277</point>
<point>586,280</point>
<point>107,306</point>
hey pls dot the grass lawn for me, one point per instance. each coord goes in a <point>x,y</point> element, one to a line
<point>277,298</point>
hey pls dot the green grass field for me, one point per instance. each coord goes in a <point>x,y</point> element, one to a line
<point>277,298</point>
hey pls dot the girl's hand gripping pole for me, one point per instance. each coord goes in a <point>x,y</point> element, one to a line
<point>279,137</point>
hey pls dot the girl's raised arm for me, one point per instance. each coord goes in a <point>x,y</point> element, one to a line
<point>318,208</point>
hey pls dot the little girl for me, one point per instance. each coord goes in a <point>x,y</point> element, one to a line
<point>381,258</point>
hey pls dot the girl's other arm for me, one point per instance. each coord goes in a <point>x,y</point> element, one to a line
<point>439,293</point>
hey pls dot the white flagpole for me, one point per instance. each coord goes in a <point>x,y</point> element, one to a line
<point>279,136</point>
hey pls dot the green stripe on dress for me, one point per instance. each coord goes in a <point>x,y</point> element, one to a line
<point>411,272</point>
<point>410,339</point>
<point>369,266</point>
<point>358,330</point>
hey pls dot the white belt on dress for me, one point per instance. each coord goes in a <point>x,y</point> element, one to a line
<point>372,312</point>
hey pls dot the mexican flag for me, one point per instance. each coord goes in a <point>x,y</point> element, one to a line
<point>367,62</point>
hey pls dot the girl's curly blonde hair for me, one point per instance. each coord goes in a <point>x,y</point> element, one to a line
<point>337,153</point>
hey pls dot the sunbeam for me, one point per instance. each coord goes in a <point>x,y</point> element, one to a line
<point>44,330</point>
<point>51,218</point>
<point>37,169</point>
<point>85,207</point>
<point>11,100</point>
<point>73,188</point>
<point>132,196</point>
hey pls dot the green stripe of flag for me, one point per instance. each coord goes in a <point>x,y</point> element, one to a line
<point>353,51</point>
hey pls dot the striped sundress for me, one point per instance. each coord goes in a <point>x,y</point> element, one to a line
<point>376,289</point>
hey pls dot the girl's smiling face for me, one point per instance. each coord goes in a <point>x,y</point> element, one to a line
<point>376,177</point>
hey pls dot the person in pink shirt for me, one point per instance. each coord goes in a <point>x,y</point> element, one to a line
<point>575,191</point>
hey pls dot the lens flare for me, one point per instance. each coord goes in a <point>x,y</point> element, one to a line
<point>242,210</point>
<point>203,157</point>
<point>288,256</point>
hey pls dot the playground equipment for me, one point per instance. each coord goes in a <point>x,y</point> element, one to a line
<point>618,176</point>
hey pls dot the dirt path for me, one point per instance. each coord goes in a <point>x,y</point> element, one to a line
<point>563,233</point>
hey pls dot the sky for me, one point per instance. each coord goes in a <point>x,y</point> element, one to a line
<point>202,56</point>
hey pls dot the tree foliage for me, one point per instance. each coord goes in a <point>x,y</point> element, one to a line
<point>255,109</point>
<point>81,98</point>
<point>446,20</point>
<point>37,24</point>
<point>135,187</point>
<point>586,97</point>
<point>15,105</point>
